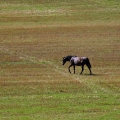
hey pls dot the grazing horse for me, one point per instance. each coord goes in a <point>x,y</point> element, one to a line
<point>77,61</point>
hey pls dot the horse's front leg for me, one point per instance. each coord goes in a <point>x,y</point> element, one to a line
<point>69,68</point>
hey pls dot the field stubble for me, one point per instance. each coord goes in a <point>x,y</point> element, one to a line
<point>33,82</point>
<point>32,65</point>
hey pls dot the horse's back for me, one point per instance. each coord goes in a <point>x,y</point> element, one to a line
<point>80,60</point>
<point>76,60</point>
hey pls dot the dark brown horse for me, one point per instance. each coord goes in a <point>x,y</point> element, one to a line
<point>77,61</point>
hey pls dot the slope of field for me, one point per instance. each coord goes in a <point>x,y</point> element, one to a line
<point>35,35</point>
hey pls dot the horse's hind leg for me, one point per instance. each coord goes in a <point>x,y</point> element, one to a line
<point>82,69</point>
<point>89,69</point>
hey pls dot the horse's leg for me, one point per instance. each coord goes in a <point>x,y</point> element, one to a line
<point>69,68</point>
<point>89,69</point>
<point>74,69</point>
<point>82,69</point>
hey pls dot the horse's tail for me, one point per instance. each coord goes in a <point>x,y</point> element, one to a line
<point>88,63</point>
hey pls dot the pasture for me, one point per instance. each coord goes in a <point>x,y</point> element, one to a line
<point>35,35</point>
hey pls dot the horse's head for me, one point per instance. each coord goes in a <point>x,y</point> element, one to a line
<point>64,60</point>
<point>67,58</point>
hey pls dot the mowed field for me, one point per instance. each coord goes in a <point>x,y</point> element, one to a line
<point>35,36</point>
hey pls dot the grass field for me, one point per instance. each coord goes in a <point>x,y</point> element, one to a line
<point>35,35</point>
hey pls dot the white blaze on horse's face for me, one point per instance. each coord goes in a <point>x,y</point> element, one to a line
<point>64,60</point>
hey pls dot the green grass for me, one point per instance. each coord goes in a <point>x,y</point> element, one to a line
<point>35,35</point>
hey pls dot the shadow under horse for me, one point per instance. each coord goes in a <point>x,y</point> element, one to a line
<point>77,61</point>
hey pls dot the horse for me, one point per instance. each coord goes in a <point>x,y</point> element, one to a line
<point>77,61</point>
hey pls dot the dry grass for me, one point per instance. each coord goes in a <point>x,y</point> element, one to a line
<point>33,82</point>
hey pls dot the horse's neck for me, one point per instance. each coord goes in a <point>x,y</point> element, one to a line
<point>70,58</point>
